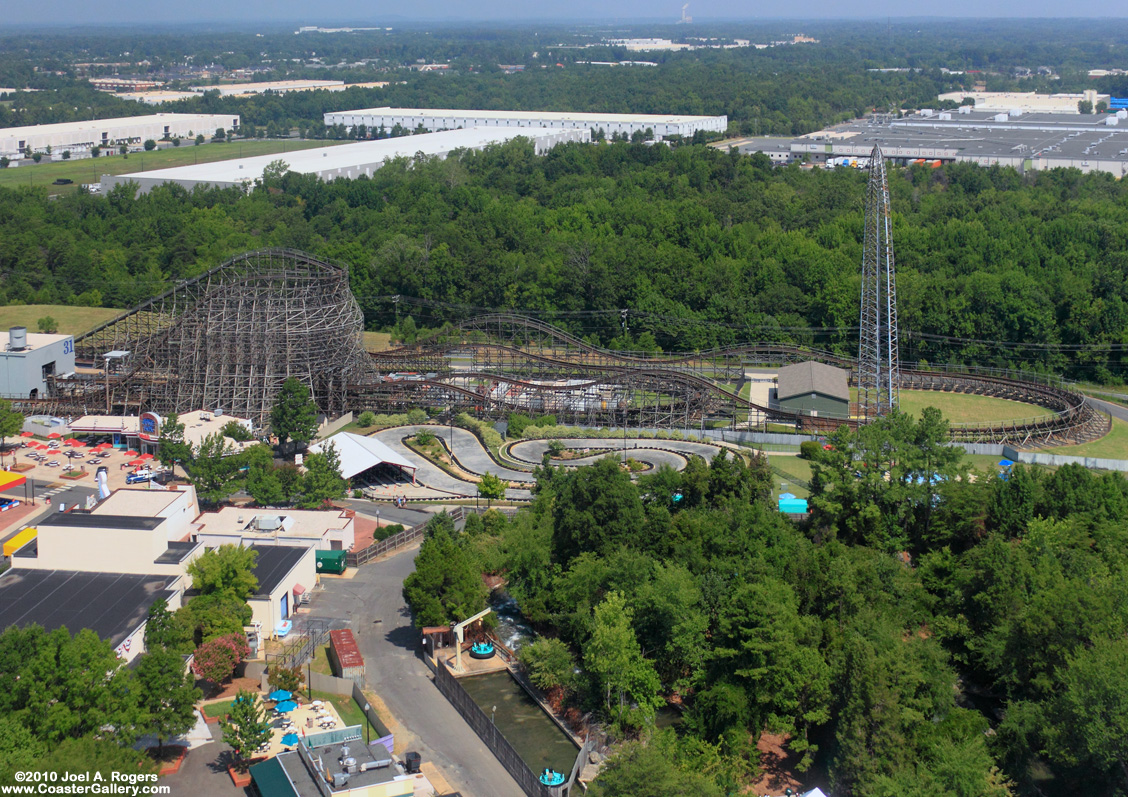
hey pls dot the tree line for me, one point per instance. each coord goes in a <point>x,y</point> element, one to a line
<point>704,248</point>
<point>931,630</point>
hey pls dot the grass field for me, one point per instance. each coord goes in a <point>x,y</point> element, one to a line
<point>966,408</point>
<point>1113,445</point>
<point>90,170</point>
<point>794,468</point>
<point>348,710</point>
<point>377,341</point>
<point>71,320</point>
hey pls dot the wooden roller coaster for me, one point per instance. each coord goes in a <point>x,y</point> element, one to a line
<point>229,337</point>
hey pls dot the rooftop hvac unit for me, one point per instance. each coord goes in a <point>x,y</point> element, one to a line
<point>1112,121</point>
<point>1015,112</point>
<point>1001,117</point>
<point>966,108</point>
<point>17,338</point>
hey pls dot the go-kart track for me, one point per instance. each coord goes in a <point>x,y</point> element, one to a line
<point>473,458</point>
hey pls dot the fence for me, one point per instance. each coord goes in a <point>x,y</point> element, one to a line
<point>1057,460</point>
<point>410,535</point>
<point>351,687</point>
<point>301,649</point>
<point>488,733</point>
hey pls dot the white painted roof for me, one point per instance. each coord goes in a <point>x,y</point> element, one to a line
<point>328,159</point>
<point>564,116</point>
<point>358,454</point>
<point>113,124</point>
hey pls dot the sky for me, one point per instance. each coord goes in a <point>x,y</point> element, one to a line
<point>131,12</point>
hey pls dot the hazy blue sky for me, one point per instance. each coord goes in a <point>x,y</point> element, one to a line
<point>70,12</point>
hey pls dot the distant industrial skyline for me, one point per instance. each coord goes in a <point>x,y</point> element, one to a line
<point>68,13</point>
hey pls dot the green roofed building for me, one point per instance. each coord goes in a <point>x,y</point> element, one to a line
<point>813,389</point>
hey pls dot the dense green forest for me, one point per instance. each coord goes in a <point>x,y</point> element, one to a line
<point>783,90</point>
<point>929,632</point>
<point>703,247</point>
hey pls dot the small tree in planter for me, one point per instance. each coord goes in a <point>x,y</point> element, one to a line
<point>217,659</point>
<point>246,729</point>
<point>287,678</point>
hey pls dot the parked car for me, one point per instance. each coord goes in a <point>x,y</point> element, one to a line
<point>139,477</point>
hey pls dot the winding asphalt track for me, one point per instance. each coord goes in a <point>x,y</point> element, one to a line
<point>473,457</point>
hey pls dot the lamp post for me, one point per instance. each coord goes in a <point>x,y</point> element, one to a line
<point>493,715</point>
<point>367,727</point>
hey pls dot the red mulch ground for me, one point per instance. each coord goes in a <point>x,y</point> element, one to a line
<point>363,527</point>
<point>777,764</point>
<point>12,519</point>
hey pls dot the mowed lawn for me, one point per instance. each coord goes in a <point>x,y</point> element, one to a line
<point>71,320</point>
<point>1113,445</point>
<point>965,407</point>
<point>377,341</point>
<point>90,170</point>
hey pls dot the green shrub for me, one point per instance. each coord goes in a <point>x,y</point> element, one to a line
<point>424,438</point>
<point>809,449</point>
<point>358,493</point>
<point>384,532</point>
<point>366,419</point>
<point>488,435</point>
<point>416,417</point>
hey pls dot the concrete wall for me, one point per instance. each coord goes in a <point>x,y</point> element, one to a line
<point>328,427</point>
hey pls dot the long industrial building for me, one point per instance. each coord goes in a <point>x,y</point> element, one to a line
<point>662,125</point>
<point>80,137</point>
<point>346,160</point>
<point>1027,142</point>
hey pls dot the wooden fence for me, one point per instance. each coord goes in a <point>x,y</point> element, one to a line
<point>410,535</point>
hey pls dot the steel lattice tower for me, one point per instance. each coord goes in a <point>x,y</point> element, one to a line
<point>879,368</point>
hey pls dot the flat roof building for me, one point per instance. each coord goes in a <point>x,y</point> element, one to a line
<point>662,125</point>
<point>1025,101</point>
<point>1027,142</point>
<point>143,432</point>
<point>285,573</point>
<point>276,86</point>
<point>115,606</point>
<point>80,137</point>
<point>29,361</point>
<point>347,160</point>
<point>323,529</point>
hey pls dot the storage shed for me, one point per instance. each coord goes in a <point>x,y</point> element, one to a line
<point>813,388</point>
<point>345,654</point>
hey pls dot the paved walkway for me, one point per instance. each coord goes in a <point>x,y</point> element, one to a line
<point>372,605</point>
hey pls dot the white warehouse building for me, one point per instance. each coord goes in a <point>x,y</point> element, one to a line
<point>663,125</point>
<point>80,137</point>
<point>346,160</point>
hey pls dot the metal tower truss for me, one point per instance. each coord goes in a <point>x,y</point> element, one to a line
<point>879,368</point>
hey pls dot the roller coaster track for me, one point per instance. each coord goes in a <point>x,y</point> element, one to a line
<point>522,359</point>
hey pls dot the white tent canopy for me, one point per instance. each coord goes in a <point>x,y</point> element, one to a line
<point>358,454</point>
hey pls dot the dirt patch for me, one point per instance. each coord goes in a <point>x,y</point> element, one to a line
<point>229,689</point>
<point>777,765</point>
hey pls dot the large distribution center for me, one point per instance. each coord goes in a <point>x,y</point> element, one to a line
<point>1028,142</point>
<point>80,137</point>
<point>662,125</point>
<point>347,160</point>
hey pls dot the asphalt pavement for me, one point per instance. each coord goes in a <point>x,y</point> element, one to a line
<point>371,604</point>
<point>1115,410</point>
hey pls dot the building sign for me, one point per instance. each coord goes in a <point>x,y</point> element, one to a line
<point>150,427</point>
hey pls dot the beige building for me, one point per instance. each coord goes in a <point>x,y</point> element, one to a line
<point>142,432</point>
<point>143,532</point>
<point>324,530</point>
<point>1025,101</point>
<point>285,574</point>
